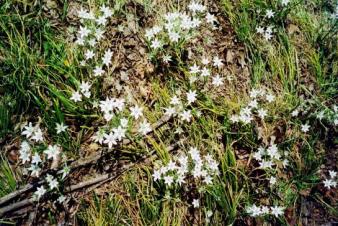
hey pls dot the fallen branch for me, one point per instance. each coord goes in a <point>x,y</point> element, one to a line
<point>80,163</point>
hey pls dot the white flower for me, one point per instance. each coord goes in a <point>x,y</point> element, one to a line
<point>107,12</point>
<point>40,192</point>
<point>320,115</point>
<point>35,170</point>
<point>270,97</point>
<point>175,100</point>
<point>174,36</point>
<point>217,62</point>
<point>254,211</point>
<point>285,2</point>
<point>186,115</point>
<point>110,139</point>
<point>124,122</point>
<point>265,164</point>
<point>52,152</point>
<point>24,156</point>
<point>82,13</point>
<point>265,210</point>
<point>155,44</point>
<point>205,72</point>
<point>89,54</point>
<point>194,153</point>
<point>294,113</point>
<point>273,180</point>
<point>168,180</point>
<point>196,203</point>
<point>234,118</point>
<point>99,33</point>
<point>262,113</point>
<point>61,199</point>
<point>211,18</point>
<point>260,30</point>
<point>38,135</point>
<point>332,173</point>
<point>144,128</point>
<point>170,111</point>
<point>99,136</point>
<point>269,13</point>
<point>65,171</point>
<point>277,211</point>
<point>207,180</point>
<point>53,184</point>
<point>253,104</point>
<point>180,179</point>
<point>108,54</point>
<point>136,111</point>
<point>166,58</point>
<point>305,128</point>
<point>194,69</point>
<point>205,61</point>
<point>83,32</point>
<point>217,80</point>
<point>76,96</point>
<point>60,128</point>
<point>156,175</point>
<point>191,96</point>
<point>84,87</point>
<point>36,159</point>
<point>257,155</point>
<point>29,130</point>
<point>101,20</point>
<point>267,36</point>
<point>98,71</point>
<point>119,133</point>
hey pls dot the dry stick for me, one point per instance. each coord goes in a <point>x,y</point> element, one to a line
<point>79,163</point>
<point>97,180</point>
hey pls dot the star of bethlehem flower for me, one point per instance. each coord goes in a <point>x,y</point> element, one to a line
<point>217,80</point>
<point>186,115</point>
<point>110,139</point>
<point>144,128</point>
<point>76,96</point>
<point>52,152</point>
<point>217,62</point>
<point>269,13</point>
<point>40,192</point>
<point>305,128</point>
<point>191,96</point>
<point>106,59</point>
<point>60,128</point>
<point>136,111</point>
<point>196,203</point>
<point>155,44</point>
<point>89,54</point>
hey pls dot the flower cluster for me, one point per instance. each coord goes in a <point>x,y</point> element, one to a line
<point>112,107</point>
<point>31,153</point>
<point>90,33</point>
<point>202,168</point>
<point>327,114</point>
<point>266,30</point>
<point>246,115</point>
<point>331,182</point>
<point>256,211</point>
<point>208,68</point>
<point>177,28</point>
